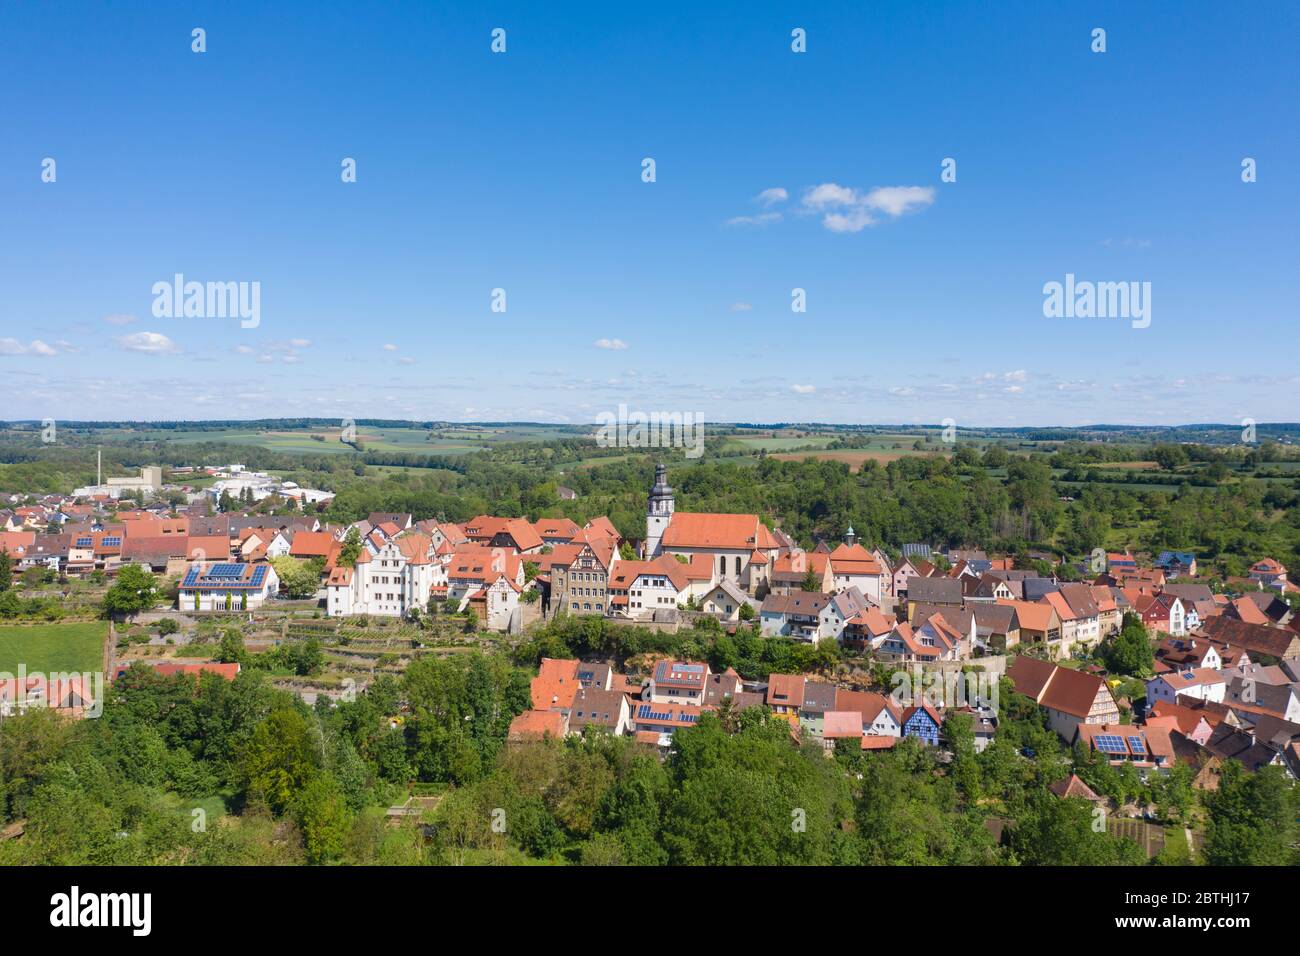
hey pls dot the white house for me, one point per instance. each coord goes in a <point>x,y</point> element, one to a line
<point>1201,683</point>
<point>222,586</point>
<point>390,577</point>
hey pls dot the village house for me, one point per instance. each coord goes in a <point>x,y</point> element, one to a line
<point>226,587</point>
<point>1071,698</point>
<point>605,710</point>
<point>867,629</point>
<point>68,695</point>
<point>1259,640</point>
<point>512,534</point>
<point>881,714</point>
<point>678,682</point>
<point>1036,623</point>
<point>945,592</point>
<point>785,696</point>
<point>1268,573</point>
<point>1202,683</point>
<point>852,565</point>
<point>1147,747</point>
<point>663,719</point>
<point>790,572</point>
<point>725,601</point>
<point>904,572</point>
<point>818,701</point>
<point>924,723</point>
<point>1177,564</point>
<point>582,586</point>
<point>797,615</point>
<point>390,577</point>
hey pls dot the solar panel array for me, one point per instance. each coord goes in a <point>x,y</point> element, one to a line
<point>1110,744</point>
<point>225,575</point>
<point>1135,744</point>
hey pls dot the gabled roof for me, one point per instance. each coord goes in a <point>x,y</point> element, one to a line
<point>727,532</point>
<point>803,603</point>
<point>483,564</point>
<point>1072,786</point>
<point>555,685</point>
<point>1058,688</point>
<point>1030,615</point>
<point>853,560</point>
<point>557,528</point>
<point>1255,638</point>
<point>841,724</point>
<point>785,690</point>
<point>869,704</point>
<point>626,573</point>
<point>311,544</point>
<point>533,724</point>
<point>938,590</point>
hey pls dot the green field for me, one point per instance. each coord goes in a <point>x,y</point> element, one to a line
<point>446,440</point>
<point>53,648</point>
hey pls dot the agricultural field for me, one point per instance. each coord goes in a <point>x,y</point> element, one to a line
<point>53,648</point>
<point>325,439</point>
<point>854,458</point>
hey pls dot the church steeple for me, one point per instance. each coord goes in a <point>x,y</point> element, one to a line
<point>659,511</point>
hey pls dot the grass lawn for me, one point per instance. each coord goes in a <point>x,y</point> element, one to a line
<point>52,648</point>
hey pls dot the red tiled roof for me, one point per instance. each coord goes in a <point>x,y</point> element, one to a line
<point>729,532</point>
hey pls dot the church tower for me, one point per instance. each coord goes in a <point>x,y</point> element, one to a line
<point>659,511</point>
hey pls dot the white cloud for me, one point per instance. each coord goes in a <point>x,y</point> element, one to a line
<point>850,210</point>
<point>300,343</point>
<point>390,347</point>
<point>803,389</point>
<point>742,307</point>
<point>244,349</point>
<point>11,346</point>
<point>616,345</point>
<point>896,200</point>
<point>762,219</point>
<point>119,319</point>
<point>829,194</point>
<point>150,343</point>
<point>771,196</point>
<point>1019,375</point>
<point>854,221</point>
<point>406,360</point>
<point>1014,389</point>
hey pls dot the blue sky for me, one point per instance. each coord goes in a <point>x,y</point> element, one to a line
<point>522,171</point>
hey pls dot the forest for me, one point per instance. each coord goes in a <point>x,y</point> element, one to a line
<point>179,771</point>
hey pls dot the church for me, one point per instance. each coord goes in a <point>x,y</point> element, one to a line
<point>741,548</point>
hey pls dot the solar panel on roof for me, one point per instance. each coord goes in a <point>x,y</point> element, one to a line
<point>1135,744</point>
<point>1111,744</point>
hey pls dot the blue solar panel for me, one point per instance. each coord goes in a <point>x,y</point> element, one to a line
<point>1108,743</point>
<point>84,542</point>
<point>1135,744</point>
